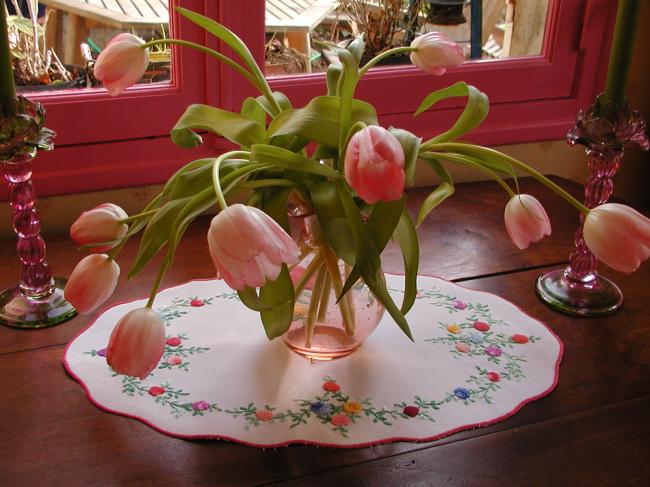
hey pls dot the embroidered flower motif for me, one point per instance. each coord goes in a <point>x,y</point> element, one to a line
<point>517,338</point>
<point>264,414</point>
<point>196,303</point>
<point>331,386</point>
<point>493,351</point>
<point>462,347</point>
<point>461,393</point>
<point>493,376</point>
<point>174,360</point>
<point>200,405</point>
<point>340,419</point>
<point>411,411</point>
<point>458,304</point>
<point>321,408</point>
<point>453,328</point>
<point>481,326</point>
<point>352,407</point>
<point>173,341</point>
<point>476,338</point>
<point>156,391</point>
<point>101,352</point>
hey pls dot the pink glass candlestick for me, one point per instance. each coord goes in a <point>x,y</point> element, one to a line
<point>579,289</point>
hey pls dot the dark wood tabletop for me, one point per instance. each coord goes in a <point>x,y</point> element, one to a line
<point>593,429</point>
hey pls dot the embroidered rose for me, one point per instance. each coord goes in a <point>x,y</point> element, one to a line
<point>461,393</point>
<point>453,328</point>
<point>481,326</point>
<point>493,376</point>
<point>517,338</point>
<point>476,338</point>
<point>196,303</point>
<point>101,352</point>
<point>340,419</point>
<point>493,351</point>
<point>264,414</point>
<point>458,304</point>
<point>320,408</point>
<point>173,341</point>
<point>462,347</point>
<point>200,405</point>
<point>156,391</point>
<point>174,360</point>
<point>331,386</point>
<point>411,411</point>
<point>352,407</point>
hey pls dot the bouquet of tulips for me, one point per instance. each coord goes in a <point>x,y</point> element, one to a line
<point>331,157</point>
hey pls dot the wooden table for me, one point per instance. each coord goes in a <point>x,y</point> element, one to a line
<point>594,429</point>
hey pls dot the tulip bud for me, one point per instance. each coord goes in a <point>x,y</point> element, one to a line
<point>92,281</point>
<point>248,247</point>
<point>618,236</point>
<point>374,165</point>
<point>122,63</point>
<point>137,343</point>
<point>436,53</point>
<point>101,224</point>
<point>526,220</point>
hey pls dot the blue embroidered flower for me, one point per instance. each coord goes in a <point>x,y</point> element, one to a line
<point>476,338</point>
<point>321,408</point>
<point>461,393</point>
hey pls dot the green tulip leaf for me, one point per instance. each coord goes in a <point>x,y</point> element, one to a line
<point>346,86</point>
<point>251,300</point>
<point>411,145</point>
<point>407,239</point>
<point>286,159</point>
<point>280,98</point>
<point>438,168</point>
<point>279,295</point>
<point>334,71</point>
<point>357,48</point>
<point>437,196</point>
<point>253,110</point>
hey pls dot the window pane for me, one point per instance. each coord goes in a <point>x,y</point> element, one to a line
<point>300,34</point>
<point>71,33</point>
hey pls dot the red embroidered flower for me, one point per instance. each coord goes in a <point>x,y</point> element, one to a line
<point>331,386</point>
<point>340,419</point>
<point>481,326</point>
<point>174,360</point>
<point>156,391</point>
<point>517,338</point>
<point>493,376</point>
<point>411,411</point>
<point>462,347</point>
<point>197,302</point>
<point>173,341</point>
<point>264,414</point>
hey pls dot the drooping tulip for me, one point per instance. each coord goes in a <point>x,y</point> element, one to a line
<point>122,63</point>
<point>374,165</point>
<point>91,283</point>
<point>136,343</point>
<point>101,224</point>
<point>618,236</point>
<point>526,220</point>
<point>436,53</point>
<point>248,247</point>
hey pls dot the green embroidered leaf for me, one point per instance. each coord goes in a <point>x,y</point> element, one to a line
<point>407,239</point>
<point>319,120</point>
<point>286,159</point>
<point>233,126</point>
<point>475,111</point>
<point>437,196</point>
<point>411,145</point>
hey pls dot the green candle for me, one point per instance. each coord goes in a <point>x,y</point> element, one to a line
<point>7,87</point>
<point>621,54</point>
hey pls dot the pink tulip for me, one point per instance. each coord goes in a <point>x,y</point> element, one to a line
<point>137,343</point>
<point>122,63</point>
<point>248,247</point>
<point>92,281</point>
<point>436,53</point>
<point>374,165</point>
<point>618,235</point>
<point>526,220</point>
<point>101,224</point>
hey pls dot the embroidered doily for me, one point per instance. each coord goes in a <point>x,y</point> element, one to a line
<point>476,360</point>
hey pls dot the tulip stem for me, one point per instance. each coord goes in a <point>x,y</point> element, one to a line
<point>312,267</point>
<point>133,218</point>
<point>262,183</point>
<point>485,153</point>
<point>333,267</point>
<point>314,303</point>
<point>215,174</point>
<point>386,54</point>
<point>159,278</point>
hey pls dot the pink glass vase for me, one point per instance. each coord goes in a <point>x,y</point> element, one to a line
<point>605,129</point>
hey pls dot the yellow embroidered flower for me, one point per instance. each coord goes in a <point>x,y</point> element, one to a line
<point>453,328</point>
<point>352,407</point>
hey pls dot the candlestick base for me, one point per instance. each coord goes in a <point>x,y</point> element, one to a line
<point>598,297</point>
<point>19,311</point>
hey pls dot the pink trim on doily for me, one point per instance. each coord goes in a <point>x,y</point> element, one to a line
<point>393,439</point>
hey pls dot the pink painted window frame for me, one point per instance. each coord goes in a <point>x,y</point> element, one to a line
<point>109,143</point>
